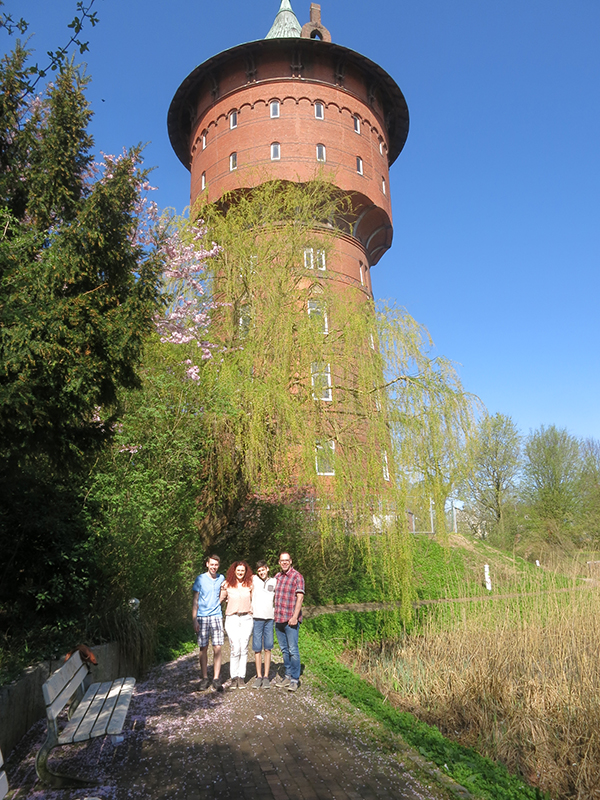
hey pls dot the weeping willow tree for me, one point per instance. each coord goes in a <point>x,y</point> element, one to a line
<point>321,398</point>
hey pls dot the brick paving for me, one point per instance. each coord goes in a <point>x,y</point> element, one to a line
<point>250,744</point>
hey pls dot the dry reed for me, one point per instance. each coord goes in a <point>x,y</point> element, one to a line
<point>518,679</point>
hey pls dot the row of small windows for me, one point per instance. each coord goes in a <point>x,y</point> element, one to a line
<point>316,311</point>
<point>325,459</point>
<point>275,110</point>
<point>276,156</point>
<point>321,156</point>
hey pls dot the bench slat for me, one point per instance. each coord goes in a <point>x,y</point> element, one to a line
<point>58,680</point>
<point>60,700</point>
<point>118,718</point>
<point>3,785</point>
<point>101,723</point>
<point>81,724</point>
<point>73,724</point>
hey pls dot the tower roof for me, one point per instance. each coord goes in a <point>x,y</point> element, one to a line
<point>286,25</point>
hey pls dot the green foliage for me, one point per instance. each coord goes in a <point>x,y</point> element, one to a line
<point>483,777</point>
<point>551,475</point>
<point>589,523</point>
<point>77,293</point>
<point>330,402</point>
<point>149,487</point>
<point>495,462</point>
<point>353,628</point>
<point>79,285</point>
<point>175,641</point>
<point>455,571</point>
<point>56,58</point>
<point>335,569</point>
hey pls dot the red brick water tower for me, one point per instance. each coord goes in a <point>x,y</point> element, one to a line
<point>282,106</point>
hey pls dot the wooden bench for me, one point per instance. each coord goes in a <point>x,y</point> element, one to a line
<point>99,711</point>
<point>3,779</point>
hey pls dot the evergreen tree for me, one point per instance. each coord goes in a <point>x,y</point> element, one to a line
<point>80,266</point>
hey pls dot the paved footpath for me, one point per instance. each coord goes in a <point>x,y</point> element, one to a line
<point>270,744</point>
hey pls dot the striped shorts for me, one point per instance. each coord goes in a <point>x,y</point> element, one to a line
<point>213,627</point>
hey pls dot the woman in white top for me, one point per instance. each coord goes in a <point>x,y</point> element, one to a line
<point>237,590</point>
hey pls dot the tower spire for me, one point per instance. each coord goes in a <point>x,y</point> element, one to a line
<point>286,25</point>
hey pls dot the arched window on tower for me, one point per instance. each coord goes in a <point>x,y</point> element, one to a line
<point>274,109</point>
<point>275,151</point>
<point>356,123</point>
<point>233,119</point>
<point>232,162</point>
<point>321,154</point>
<point>319,111</point>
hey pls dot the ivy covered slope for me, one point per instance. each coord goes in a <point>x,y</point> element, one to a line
<point>79,279</point>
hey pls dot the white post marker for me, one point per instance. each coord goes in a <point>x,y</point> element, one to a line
<point>486,575</point>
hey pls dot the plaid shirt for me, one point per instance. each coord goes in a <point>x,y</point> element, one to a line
<point>289,584</point>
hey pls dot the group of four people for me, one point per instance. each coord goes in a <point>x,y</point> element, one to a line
<point>256,604</point>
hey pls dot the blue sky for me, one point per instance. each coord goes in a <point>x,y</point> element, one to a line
<point>496,196</point>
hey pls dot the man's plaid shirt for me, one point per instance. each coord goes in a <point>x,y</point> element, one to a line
<point>289,584</point>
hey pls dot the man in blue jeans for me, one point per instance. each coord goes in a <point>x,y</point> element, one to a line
<point>289,595</point>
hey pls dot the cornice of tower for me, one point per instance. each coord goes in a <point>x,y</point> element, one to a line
<point>293,52</point>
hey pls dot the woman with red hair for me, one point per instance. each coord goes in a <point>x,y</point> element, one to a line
<point>237,590</point>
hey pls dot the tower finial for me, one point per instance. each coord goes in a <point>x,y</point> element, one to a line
<point>286,25</point>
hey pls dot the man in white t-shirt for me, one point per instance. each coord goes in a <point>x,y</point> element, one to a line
<point>263,593</point>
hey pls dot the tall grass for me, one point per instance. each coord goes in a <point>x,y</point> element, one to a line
<point>516,678</point>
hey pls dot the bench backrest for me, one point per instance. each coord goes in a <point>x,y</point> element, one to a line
<point>3,779</point>
<point>62,685</point>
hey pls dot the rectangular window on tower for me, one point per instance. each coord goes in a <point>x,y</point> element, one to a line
<point>274,106</point>
<point>386,469</point>
<point>203,181</point>
<point>233,162</point>
<point>359,165</point>
<point>318,315</point>
<point>233,120</point>
<point>356,124</point>
<point>319,111</point>
<point>320,259</point>
<point>324,457</point>
<point>309,258</point>
<point>320,378</point>
<point>275,151</point>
